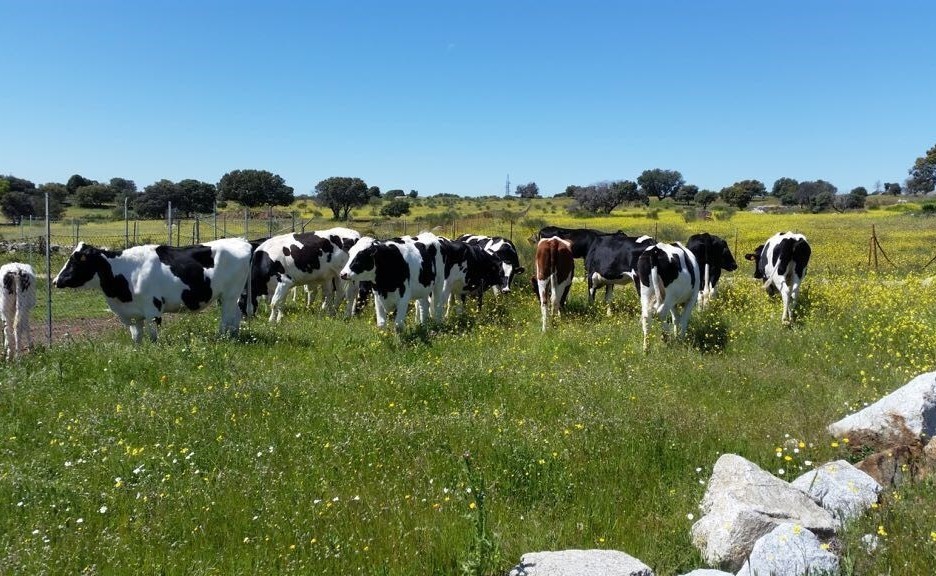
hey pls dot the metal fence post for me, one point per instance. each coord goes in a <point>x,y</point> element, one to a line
<point>246,225</point>
<point>270,220</point>
<point>126,223</point>
<point>216,220</point>
<point>169,221</point>
<point>48,258</point>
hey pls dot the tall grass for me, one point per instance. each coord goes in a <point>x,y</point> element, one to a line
<point>324,446</point>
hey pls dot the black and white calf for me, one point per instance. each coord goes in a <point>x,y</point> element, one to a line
<point>504,250</point>
<point>399,271</point>
<point>781,263</point>
<point>468,269</point>
<point>669,279</point>
<point>17,299</point>
<point>295,259</point>
<point>612,259</point>
<point>713,255</point>
<point>142,283</point>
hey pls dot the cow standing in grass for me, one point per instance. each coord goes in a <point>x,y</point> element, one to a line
<point>669,278</point>
<point>504,250</point>
<point>555,267</point>
<point>17,299</point>
<point>713,255</point>
<point>142,283</point>
<point>781,263</point>
<point>612,259</point>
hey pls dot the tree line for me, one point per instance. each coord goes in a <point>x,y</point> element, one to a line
<point>21,198</point>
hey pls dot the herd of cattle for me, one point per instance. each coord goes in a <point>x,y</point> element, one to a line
<point>142,283</point>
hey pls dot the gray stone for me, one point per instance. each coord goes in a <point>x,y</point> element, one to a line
<point>789,550</point>
<point>580,563</point>
<point>840,488</point>
<point>742,503</point>
<point>901,417</point>
<point>708,572</point>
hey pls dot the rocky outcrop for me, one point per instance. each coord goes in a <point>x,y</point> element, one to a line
<point>789,550</point>
<point>840,488</point>
<point>580,563</point>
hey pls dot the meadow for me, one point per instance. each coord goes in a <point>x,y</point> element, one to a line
<point>323,446</point>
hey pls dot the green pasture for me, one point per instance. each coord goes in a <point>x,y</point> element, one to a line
<point>323,446</point>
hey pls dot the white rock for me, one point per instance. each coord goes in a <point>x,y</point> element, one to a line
<point>708,572</point>
<point>789,550</point>
<point>580,563</point>
<point>742,503</point>
<point>840,488</point>
<point>909,410</point>
<point>870,542</point>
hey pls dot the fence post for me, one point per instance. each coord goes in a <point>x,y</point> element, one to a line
<point>169,221</point>
<point>178,233</point>
<point>224,225</point>
<point>135,228</point>
<point>196,232</point>
<point>126,223</point>
<point>77,227</point>
<point>293,216</point>
<point>216,220</point>
<point>246,225</point>
<point>48,259</point>
<point>270,220</point>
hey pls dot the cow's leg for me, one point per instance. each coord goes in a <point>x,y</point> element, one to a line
<point>402,309</point>
<point>645,307</point>
<point>153,326</point>
<point>8,338</point>
<point>279,296</point>
<point>423,309</point>
<point>609,295</point>
<point>684,315</point>
<point>380,308</point>
<point>230,317</point>
<point>541,293</point>
<point>329,296</point>
<point>136,329</point>
<point>592,288</point>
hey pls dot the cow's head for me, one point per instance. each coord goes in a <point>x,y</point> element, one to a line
<point>81,268</point>
<point>362,263</point>
<point>727,258</point>
<point>755,257</point>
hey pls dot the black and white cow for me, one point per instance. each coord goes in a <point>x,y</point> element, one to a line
<point>504,250</point>
<point>669,277</point>
<point>781,263</point>
<point>142,283</point>
<point>342,291</point>
<point>17,299</point>
<point>295,259</point>
<point>400,270</point>
<point>612,259</point>
<point>555,267</point>
<point>468,269</point>
<point>581,239</point>
<point>713,255</point>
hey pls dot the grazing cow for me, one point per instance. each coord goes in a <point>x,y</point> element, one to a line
<point>781,263</point>
<point>288,260</point>
<point>468,270</point>
<point>580,238</point>
<point>17,299</point>
<point>555,266</point>
<point>713,255</point>
<point>505,251</point>
<point>612,259</point>
<point>669,278</point>
<point>399,270</point>
<point>142,283</point>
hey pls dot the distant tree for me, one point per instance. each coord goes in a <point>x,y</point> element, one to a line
<point>604,197</point>
<point>94,195</point>
<point>528,190</point>
<point>741,193</point>
<point>396,208</point>
<point>923,173</point>
<point>854,200</point>
<point>815,195</point>
<point>413,194</point>
<point>374,191</point>
<point>20,184</point>
<point>255,188</point>
<point>76,182</point>
<point>784,187</point>
<point>57,193</point>
<point>686,193</point>
<point>154,200</point>
<point>569,192</point>
<point>341,194</point>
<point>195,197</point>
<point>391,194</point>
<point>16,206</point>
<point>705,197</point>
<point>892,188</point>
<point>660,183</point>
<point>123,187</point>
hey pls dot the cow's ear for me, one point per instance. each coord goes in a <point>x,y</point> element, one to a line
<point>750,257</point>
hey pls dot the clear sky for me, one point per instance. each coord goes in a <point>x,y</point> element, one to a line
<point>451,96</point>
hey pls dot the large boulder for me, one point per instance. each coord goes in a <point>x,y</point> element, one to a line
<point>840,488</point>
<point>742,503</point>
<point>580,563</point>
<point>902,417</point>
<point>789,550</point>
<point>708,572</point>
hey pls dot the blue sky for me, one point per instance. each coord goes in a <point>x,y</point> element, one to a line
<point>451,96</point>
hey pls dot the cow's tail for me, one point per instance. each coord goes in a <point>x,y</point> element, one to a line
<point>656,283</point>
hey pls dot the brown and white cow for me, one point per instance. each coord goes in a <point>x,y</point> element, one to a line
<point>555,266</point>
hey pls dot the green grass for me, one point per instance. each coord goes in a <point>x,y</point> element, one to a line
<point>324,446</point>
